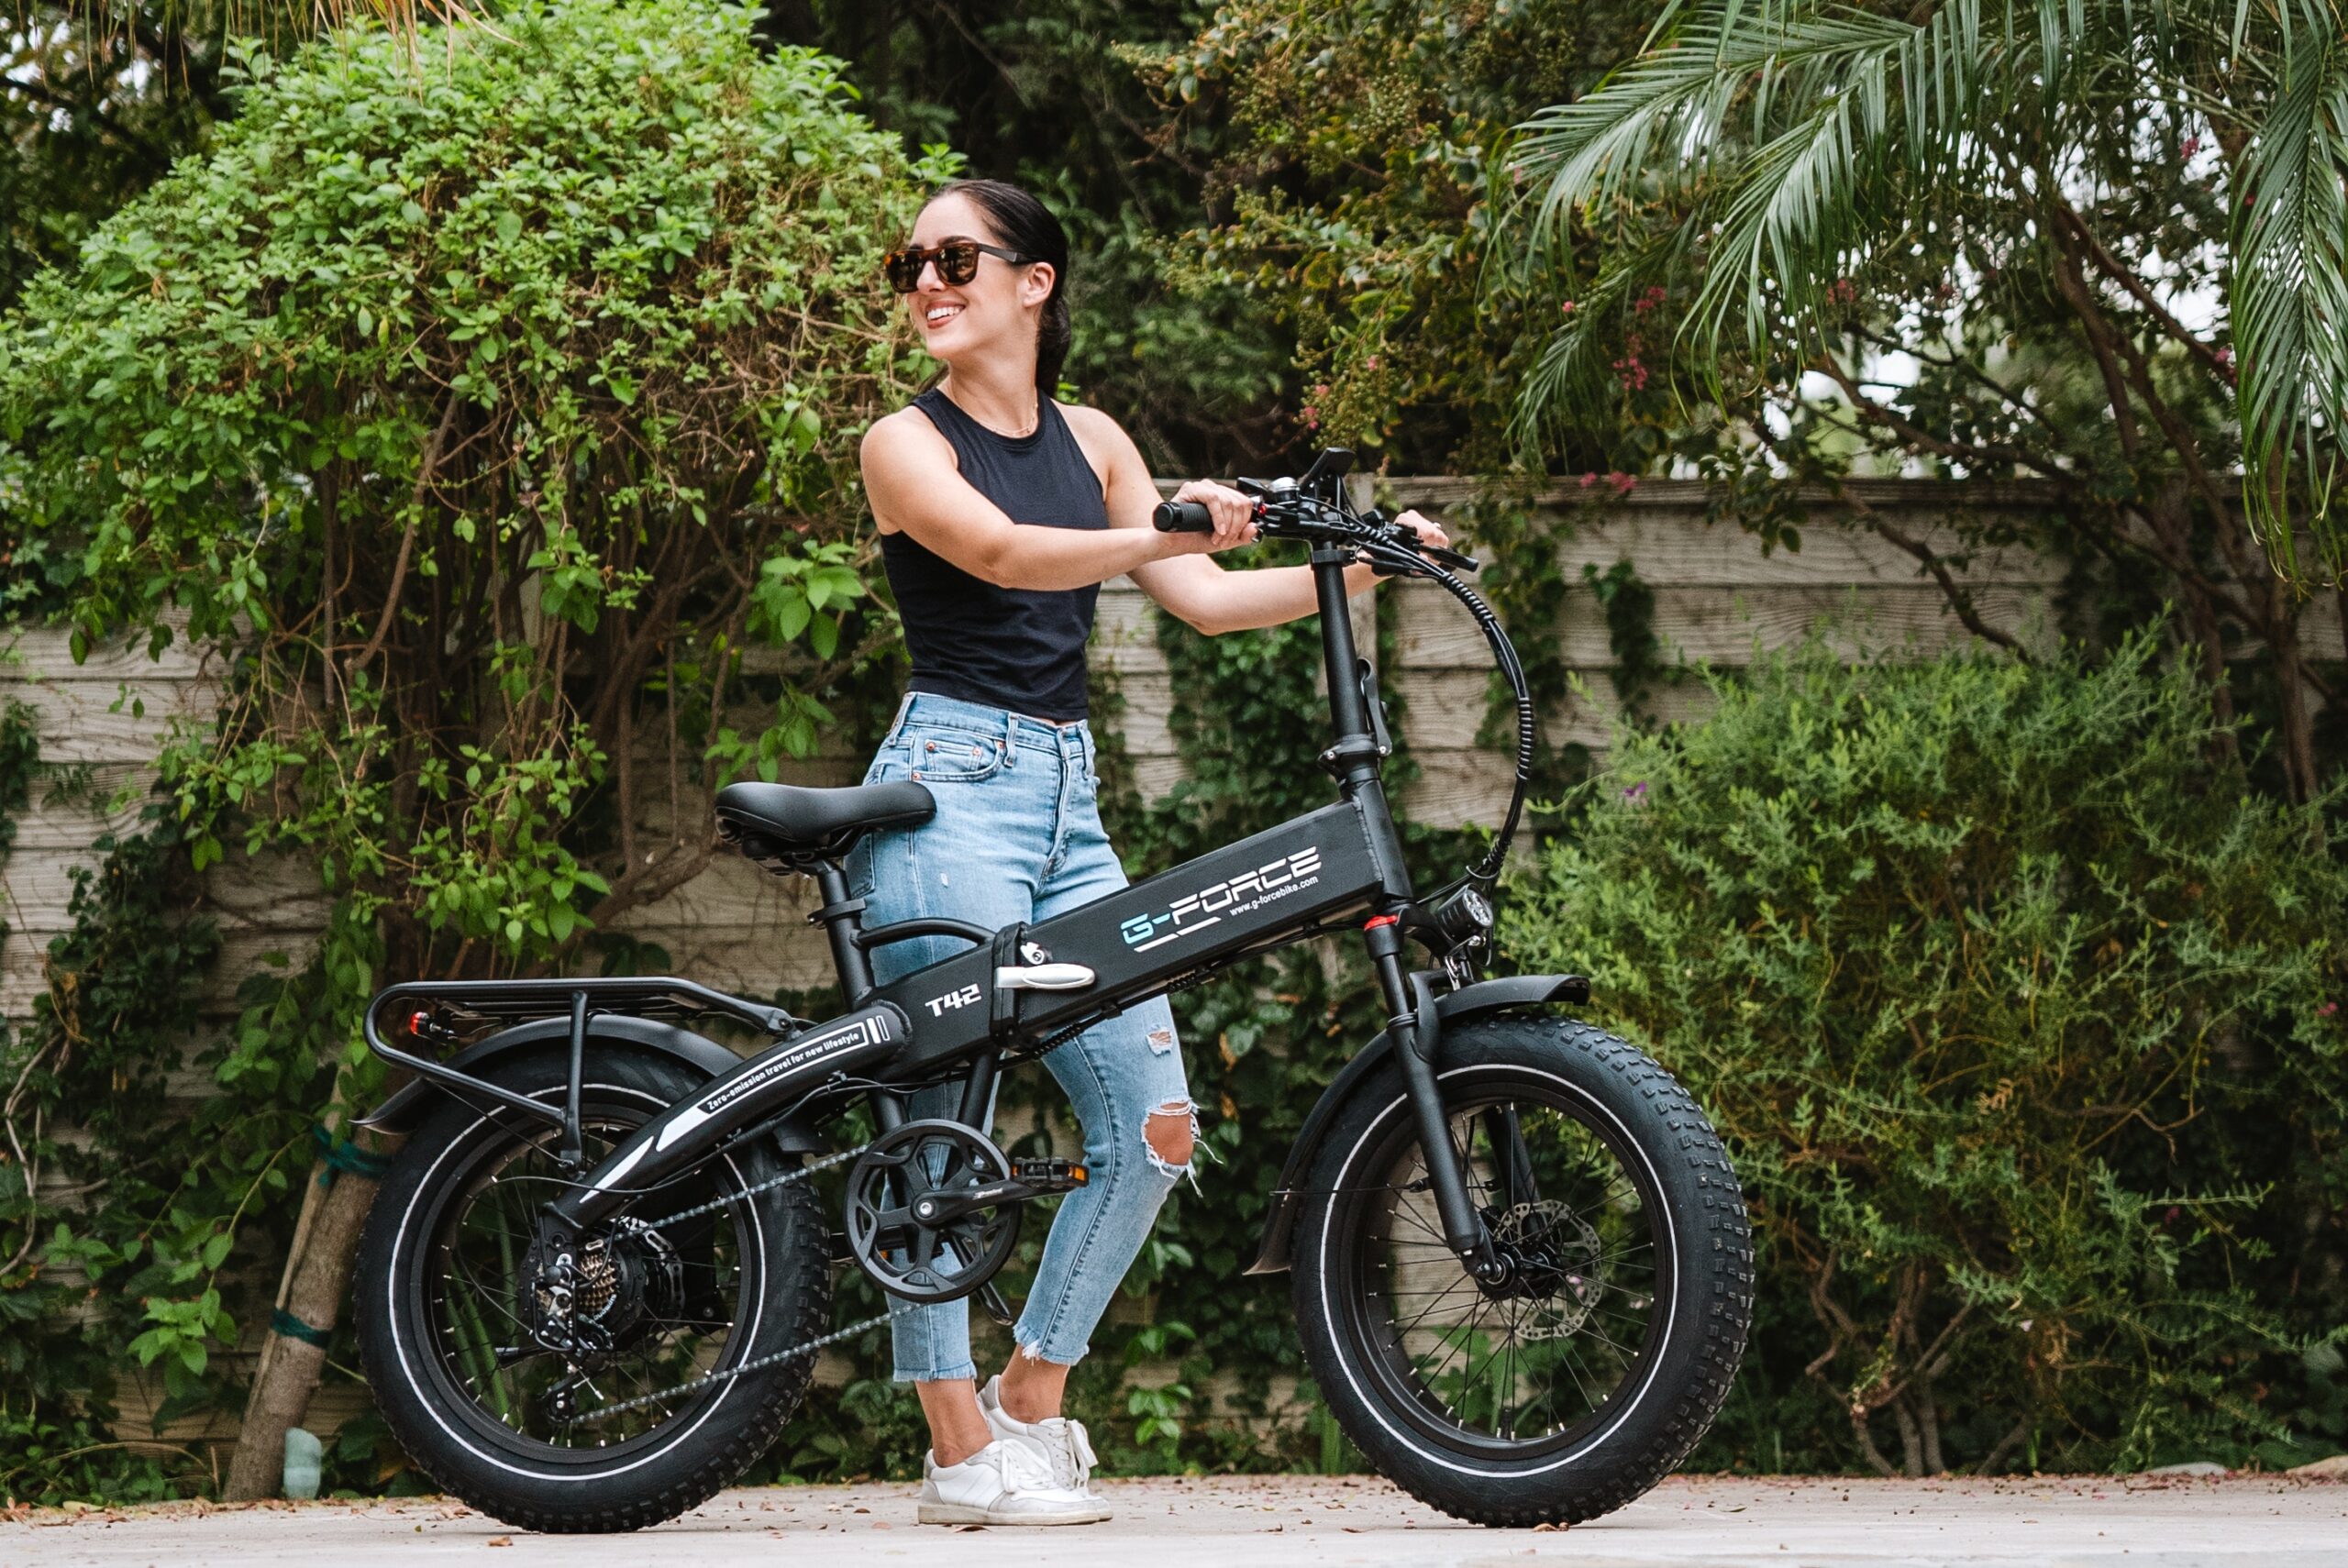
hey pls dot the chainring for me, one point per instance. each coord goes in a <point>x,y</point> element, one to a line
<point>912,1257</point>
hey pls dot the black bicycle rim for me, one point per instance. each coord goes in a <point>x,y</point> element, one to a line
<point>1525,1375</point>
<point>455,1305</point>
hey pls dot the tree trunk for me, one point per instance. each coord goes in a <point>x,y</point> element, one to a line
<point>2290,689</point>
<point>317,1274</point>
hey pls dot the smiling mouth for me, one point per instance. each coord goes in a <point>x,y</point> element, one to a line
<point>939,314</point>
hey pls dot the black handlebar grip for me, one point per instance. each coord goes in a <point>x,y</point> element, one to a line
<point>1183,517</point>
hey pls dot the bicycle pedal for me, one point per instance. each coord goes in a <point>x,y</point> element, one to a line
<point>1049,1174</point>
<point>997,1308</point>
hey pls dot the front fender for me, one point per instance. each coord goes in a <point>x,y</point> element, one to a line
<point>1467,1003</point>
<point>407,1106</point>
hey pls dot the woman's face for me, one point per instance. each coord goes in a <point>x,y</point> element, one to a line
<point>996,311</point>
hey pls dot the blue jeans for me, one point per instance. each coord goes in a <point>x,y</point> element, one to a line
<point>1017,837</point>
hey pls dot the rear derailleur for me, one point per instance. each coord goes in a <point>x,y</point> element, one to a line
<point>588,1296</point>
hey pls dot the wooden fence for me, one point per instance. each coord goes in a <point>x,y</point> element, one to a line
<point>1718,598</point>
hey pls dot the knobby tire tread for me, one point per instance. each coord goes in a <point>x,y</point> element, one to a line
<point>800,1273</point>
<point>1714,1275</point>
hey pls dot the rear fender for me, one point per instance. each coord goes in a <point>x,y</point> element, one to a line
<point>407,1106</point>
<point>1453,1008</point>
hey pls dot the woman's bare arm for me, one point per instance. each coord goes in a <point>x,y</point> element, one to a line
<point>1196,590</point>
<point>911,479</point>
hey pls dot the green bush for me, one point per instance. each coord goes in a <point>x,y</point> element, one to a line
<point>485,402</point>
<point>2021,1015</point>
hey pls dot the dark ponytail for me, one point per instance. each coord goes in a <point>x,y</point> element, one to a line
<point>1026,226</point>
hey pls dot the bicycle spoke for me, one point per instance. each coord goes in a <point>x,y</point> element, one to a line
<point>1544,1347</point>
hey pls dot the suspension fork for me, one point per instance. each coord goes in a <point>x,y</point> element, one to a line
<point>1417,1030</point>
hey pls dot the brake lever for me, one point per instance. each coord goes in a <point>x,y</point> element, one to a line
<point>1453,558</point>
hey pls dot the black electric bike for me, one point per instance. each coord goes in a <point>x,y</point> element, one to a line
<point>595,1279</point>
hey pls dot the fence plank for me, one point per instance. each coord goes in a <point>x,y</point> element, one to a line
<point>1717,597</point>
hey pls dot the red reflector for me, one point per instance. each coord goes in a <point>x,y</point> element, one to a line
<point>1374,921</point>
<point>416,1021</point>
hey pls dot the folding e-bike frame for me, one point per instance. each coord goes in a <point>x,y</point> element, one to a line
<point>1015,992</point>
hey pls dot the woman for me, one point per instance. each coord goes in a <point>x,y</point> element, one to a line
<point>1001,512</point>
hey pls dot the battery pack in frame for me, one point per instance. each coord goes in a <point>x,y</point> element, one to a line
<point>1136,940</point>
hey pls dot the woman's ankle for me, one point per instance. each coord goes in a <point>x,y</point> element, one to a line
<point>1032,1389</point>
<point>958,1428</point>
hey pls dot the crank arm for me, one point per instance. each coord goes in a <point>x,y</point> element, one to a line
<point>1059,1175</point>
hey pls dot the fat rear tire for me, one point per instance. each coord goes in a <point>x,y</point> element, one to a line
<point>783,1279</point>
<point>1659,1412</point>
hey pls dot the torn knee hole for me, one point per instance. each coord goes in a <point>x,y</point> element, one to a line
<point>1172,1130</point>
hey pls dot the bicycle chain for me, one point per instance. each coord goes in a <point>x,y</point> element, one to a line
<point>776,1358</point>
<point>788,1178</point>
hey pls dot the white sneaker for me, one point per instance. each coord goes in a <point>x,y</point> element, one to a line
<point>1063,1442</point>
<point>1005,1483</point>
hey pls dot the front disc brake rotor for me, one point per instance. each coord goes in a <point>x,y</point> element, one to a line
<point>1560,1265</point>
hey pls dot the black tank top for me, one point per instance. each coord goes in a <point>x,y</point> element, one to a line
<point>1006,647</point>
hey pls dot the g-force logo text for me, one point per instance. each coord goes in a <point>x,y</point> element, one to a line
<point>1248,891</point>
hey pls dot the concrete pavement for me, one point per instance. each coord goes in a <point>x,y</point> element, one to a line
<point>1291,1522</point>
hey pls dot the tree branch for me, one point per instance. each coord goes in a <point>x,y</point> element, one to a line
<point>2118,273</point>
<point>1962,452</point>
<point>431,460</point>
<point>1960,599</point>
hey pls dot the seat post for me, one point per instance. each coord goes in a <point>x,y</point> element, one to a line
<point>838,915</point>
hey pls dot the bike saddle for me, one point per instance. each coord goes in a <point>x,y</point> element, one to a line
<point>786,822</point>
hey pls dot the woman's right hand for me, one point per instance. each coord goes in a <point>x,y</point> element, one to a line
<point>1234,514</point>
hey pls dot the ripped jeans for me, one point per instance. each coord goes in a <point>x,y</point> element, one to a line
<point>1017,837</point>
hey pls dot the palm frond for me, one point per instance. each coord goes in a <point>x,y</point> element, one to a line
<point>2290,295</point>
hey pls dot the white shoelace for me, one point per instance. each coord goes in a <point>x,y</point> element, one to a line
<point>1072,1458</point>
<point>1023,1469</point>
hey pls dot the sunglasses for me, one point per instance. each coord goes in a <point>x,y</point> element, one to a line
<point>958,263</point>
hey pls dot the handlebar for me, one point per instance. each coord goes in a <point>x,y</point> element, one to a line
<point>1313,508</point>
<point>1183,517</point>
<point>1289,516</point>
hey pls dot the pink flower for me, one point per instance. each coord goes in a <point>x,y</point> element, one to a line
<point>2327,1009</point>
<point>1636,793</point>
<point>1566,308</point>
<point>1371,363</point>
<point>1312,414</point>
<point>1589,480</point>
<point>1320,389</point>
<point>1623,483</point>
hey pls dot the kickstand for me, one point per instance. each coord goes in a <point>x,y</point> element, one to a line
<point>997,1308</point>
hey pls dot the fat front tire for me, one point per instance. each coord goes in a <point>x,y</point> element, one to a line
<point>1573,1389</point>
<point>456,1376</point>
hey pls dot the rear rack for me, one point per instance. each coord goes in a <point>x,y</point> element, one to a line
<point>640,995</point>
<point>636,996</point>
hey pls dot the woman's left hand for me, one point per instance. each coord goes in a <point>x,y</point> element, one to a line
<point>1428,532</point>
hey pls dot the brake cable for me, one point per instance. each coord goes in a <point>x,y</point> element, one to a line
<point>1312,518</point>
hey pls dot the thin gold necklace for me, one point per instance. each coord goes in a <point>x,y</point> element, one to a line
<point>1034,418</point>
